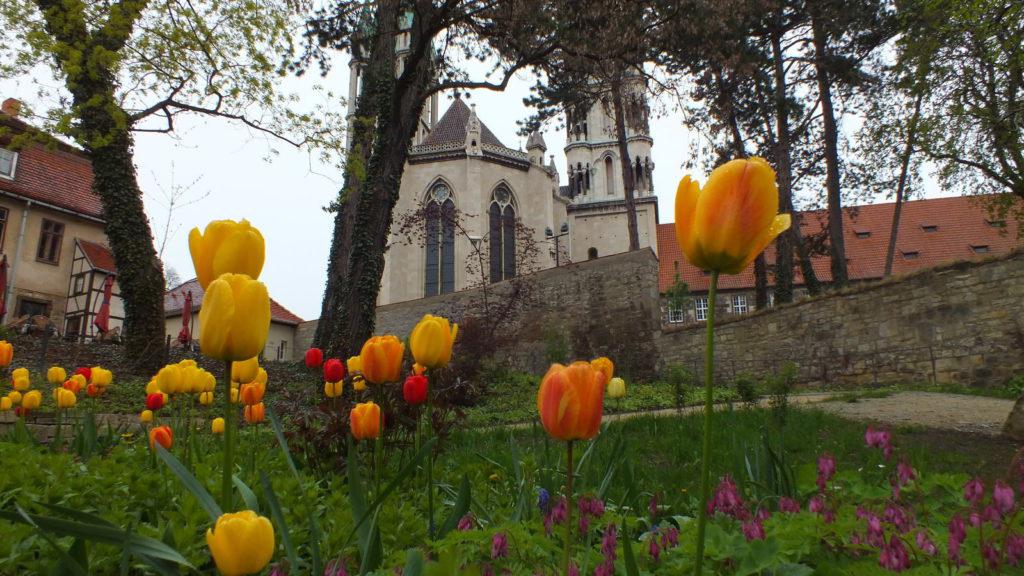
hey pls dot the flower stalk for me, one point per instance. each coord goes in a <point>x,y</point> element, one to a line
<point>705,461</point>
<point>229,442</point>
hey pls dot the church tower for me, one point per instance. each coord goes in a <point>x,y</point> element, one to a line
<point>360,52</point>
<point>598,211</point>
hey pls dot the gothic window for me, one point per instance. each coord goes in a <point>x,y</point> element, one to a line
<point>649,169</point>
<point>502,232</point>
<point>579,177</point>
<point>638,175</point>
<point>440,242</point>
<point>591,253</point>
<point>586,178</point>
<point>609,176</point>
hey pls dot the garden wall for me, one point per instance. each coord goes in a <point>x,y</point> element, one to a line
<point>606,306</point>
<point>959,323</point>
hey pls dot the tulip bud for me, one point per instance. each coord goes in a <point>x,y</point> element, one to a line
<point>56,375</point>
<point>85,371</point>
<point>334,370</point>
<point>431,341</point>
<point>170,379</point>
<point>226,247</point>
<point>616,388</point>
<point>93,391</point>
<point>64,398</point>
<point>415,389</point>
<point>206,398</point>
<point>217,426</point>
<point>314,358</point>
<point>365,421</point>
<point>235,318</point>
<point>15,397</point>
<point>333,389</point>
<point>571,400</point>
<point>252,393</point>
<point>162,435</point>
<point>381,359</point>
<point>74,385</point>
<point>254,413</point>
<point>6,353</point>
<point>155,402</point>
<point>101,376</point>
<point>146,416</point>
<point>244,371</point>
<point>241,543</point>
<point>6,404</point>
<point>31,400</point>
<point>604,366</point>
<point>354,364</point>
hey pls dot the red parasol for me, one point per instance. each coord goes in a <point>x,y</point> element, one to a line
<point>102,321</point>
<point>3,286</point>
<point>185,336</point>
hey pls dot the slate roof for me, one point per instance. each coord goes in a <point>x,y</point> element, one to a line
<point>932,232</point>
<point>174,300</point>
<point>60,175</point>
<point>451,128</point>
<point>100,257</point>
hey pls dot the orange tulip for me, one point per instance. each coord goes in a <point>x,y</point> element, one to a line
<point>725,225</point>
<point>365,421</point>
<point>604,366</point>
<point>6,353</point>
<point>254,414</point>
<point>162,435</point>
<point>73,385</point>
<point>570,401</point>
<point>93,390</point>
<point>381,359</point>
<point>252,393</point>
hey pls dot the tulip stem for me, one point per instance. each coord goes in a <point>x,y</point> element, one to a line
<point>229,442</point>
<point>430,473</point>
<point>705,461</point>
<point>568,507</point>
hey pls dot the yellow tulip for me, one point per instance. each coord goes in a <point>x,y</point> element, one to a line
<point>146,416</point>
<point>32,400</point>
<point>241,543</point>
<point>206,398</point>
<point>431,341</point>
<point>21,384</point>
<point>153,387</point>
<point>725,225</point>
<point>244,371</point>
<point>56,375</point>
<point>365,421</point>
<point>190,379</point>
<point>234,395</point>
<point>381,359</point>
<point>354,364</point>
<point>79,381</point>
<point>6,353</point>
<point>261,377</point>
<point>604,366</point>
<point>217,426</point>
<point>208,382</point>
<point>101,376</point>
<point>358,383</point>
<point>235,318</point>
<point>64,398</point>
<point>226,247</point>
<point>6,404</point>
<point>170,379</point>
<point>616,388</point>
<point>15,397</point>
<point>333,389</point>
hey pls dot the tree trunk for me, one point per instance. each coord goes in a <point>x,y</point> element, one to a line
<point>837,241</point>
<point>139,274</point>
<point>908,151</point>
<point>398,105</point>
<point>627,166</point>
<point>760,263</point>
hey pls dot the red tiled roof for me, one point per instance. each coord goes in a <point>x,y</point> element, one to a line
<point>60,175</point>
<point>960,224</point>
<point>99,256</point>
<point>452,127</point>
<point>174,300</point>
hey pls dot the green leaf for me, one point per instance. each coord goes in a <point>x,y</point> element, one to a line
<point>282,441</point>
<point>373,554</point>
<point>627,551</point>
<point>248,496</point>
<point>189,481</point>
<point>413,563</point>
<point>357,495</point>
<point>458,511</point>
<point>315,536</point>
<point>66,564</point>
<point>278,515</point>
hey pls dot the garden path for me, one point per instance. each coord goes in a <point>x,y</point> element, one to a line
<point>963,413</point>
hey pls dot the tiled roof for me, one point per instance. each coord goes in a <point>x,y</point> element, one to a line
<point>99,256</point>
<point>932,232</point>
<point>174,300</point>
<point>536,139</point>
<point>452,128</point>
<point>59,175</point>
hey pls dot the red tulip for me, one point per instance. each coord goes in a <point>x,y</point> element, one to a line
<point>155,401</point>
<point>314,358</point>
<point>85,371</point>
<point>162,435</point>
<point>334,370</point>
<point>93,390</point>
<point>415,389</point>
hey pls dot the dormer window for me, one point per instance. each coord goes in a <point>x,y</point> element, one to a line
<point>980,249</point>
<point>862,234</point>
<point>910,254</point>
<point>930,227</point>
<point>8,162</point>
<point>996,223</point>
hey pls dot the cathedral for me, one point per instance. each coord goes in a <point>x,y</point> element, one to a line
<point>479,201</point>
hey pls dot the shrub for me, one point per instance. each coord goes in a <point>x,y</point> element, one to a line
<point>746,389</point>
<point>779,387</point>
<point>556,346</point>
<point>680,379</point>
<point>1015,387</point>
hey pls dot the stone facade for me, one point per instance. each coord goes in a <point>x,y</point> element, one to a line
<point>958,323</point>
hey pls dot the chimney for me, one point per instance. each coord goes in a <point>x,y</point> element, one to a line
<point>11,107</point>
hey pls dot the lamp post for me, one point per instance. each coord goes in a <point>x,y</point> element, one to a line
<point>563,231</point>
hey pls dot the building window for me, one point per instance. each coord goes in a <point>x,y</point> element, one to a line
<point>8,162</point>
<point>29,307</point>
<point>79,286</point>
<point>73,327</point>
<point>676,314</point>
<point>700,308</point>
<point>3,226</point>
<point>981,249</point>
<point>771,299</point>
<point>49,242</point>
<point>996,223</point>
<point>591,253</point>
<point>440,242</point>
<point>609,176</point>
<point>739,304</point>
<point>930,227</point>
<point>910,255</point>
<point>863,234</point>
<point>502,231</point>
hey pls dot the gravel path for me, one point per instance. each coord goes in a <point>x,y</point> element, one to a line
<point>929,409</point>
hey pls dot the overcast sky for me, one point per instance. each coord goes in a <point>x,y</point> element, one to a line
<point>226,171</point>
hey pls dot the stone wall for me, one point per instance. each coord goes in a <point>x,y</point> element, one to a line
<point>606,306</point>
<point>959,323</point>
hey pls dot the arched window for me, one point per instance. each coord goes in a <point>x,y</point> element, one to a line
<point>586,177</point>
<point>591,253</point>
<point>502,232</point>
<point>440,248</point>
<point>609,176</point>
<point>638,175</point>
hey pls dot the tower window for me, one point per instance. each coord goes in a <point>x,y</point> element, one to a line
<point>609,176</point>
<point>502,231</point>
<point>440,244</point>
